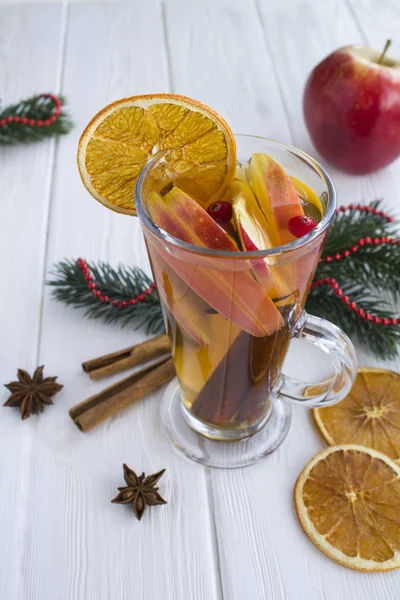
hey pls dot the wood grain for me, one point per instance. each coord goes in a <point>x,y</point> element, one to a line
<point>24,213</point>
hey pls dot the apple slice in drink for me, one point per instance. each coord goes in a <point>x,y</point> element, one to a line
<point>180,300</point>
<point>252,226</point>
<point>277,196</point>
<point>228,289</point>
<point>280,202</point>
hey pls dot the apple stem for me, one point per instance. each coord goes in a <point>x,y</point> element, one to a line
<point>382,56</point>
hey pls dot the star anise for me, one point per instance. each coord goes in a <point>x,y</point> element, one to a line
<point>140,491</point>
<point>32,394</point>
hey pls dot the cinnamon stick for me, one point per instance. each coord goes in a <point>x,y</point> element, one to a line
<point>129,357</point>
<point>101,406</point>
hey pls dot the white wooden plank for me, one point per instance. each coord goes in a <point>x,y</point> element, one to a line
<point>95,550</point>
<point>218,56</point>
<point>224,57</point>
<point>26,68</point>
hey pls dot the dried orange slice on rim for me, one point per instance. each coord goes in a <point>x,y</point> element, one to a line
<point>369,415</point>
<point>348,502</point>
<point>121,139</point>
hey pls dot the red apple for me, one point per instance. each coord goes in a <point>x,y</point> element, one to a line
<point>352,108</point>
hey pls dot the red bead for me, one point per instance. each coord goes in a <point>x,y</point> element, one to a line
<point>385,321</point>
<point>368,317</point>
<point>393,321</point>
<point>147,292</point>
<point>360,312</point>
<point>301,225</point>
<point>346,253</point>
<point>114,302</point>
<point>31,122</point>
<point>354,248</point>
<point>335,286</point>
<point>132,301</point>
<point>97,293</point>
<point>318,283</point>
<point>92,286</point>
<point>47,122</point>
<point>24,121</point>
<point>328,259</point>
<point>368,209</point>
<point>352,305</point>
<point>327,280</point>
<point>393,241</point>
<point>390,219</point>
<point>52,119</point>
<point>367,240</point>
<point>104,299</point>
<point>140,298</point>
<point>88,277</point>
<point>361,242</point>
<point>153,286</point>
<point>221,212</point>
<point>122,303</point>
<point>351,206</point>
<point>337,256</point>
<point>39,123</point>
<point>17,119</point>
<point>361,207</point>
<point>343,208</point>
<point>375,211</point>
<point>345,299</point>
<point>9,119</point>
<point>339,292</point>
<point>376,319</point>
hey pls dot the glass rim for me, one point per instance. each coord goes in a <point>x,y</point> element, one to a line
<point>277,250</point>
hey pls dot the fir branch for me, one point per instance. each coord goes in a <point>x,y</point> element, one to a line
<point>350,226</point>
<point>70,286</point>
<point>39,108</point>
<point>382,340</point>
<point>362,276</point>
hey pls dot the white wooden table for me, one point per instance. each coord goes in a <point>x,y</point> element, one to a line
<point>229,535</point>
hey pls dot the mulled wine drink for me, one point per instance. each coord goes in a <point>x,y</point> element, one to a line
<point>230,319</point>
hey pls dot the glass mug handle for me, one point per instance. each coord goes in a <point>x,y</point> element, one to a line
<point>333,341</point>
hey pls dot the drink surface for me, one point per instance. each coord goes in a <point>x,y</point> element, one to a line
<point>230,320</point>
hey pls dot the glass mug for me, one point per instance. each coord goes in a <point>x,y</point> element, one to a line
<point>230,317</point>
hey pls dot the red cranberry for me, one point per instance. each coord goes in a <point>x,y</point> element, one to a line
<point>299,226</point>
<point>220,211</point>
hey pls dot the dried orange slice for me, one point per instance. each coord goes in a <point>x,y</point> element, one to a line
<point>369,415</point>
<point>348,502</point>
<point>125,135</point>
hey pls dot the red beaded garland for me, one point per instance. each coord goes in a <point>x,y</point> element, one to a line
<point>361,242</point>
<point>34,122</point>
<point>334,285</point>
<point>105,299</point>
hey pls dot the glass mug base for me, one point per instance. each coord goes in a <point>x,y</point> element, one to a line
<point>261,439</point>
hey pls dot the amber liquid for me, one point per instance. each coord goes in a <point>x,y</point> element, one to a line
<point>226,375</point>
<point>228,382</point>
